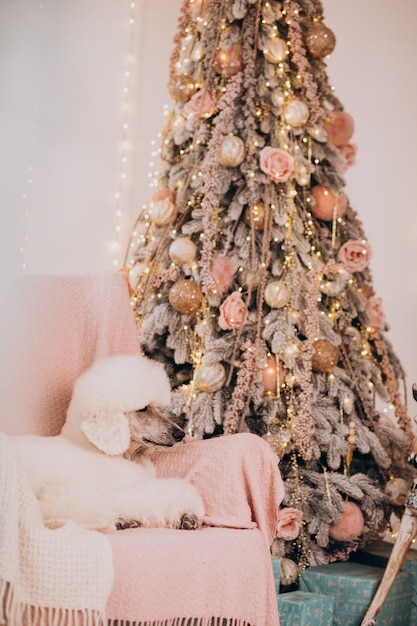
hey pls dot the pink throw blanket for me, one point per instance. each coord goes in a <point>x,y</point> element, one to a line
<point>223,572</point>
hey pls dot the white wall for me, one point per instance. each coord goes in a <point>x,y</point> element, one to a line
<point>66,61</point>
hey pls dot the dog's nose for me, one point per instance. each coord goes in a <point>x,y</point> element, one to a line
<point>178,434</point>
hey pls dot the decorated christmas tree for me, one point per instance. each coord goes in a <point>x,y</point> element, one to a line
<point>250,273</point>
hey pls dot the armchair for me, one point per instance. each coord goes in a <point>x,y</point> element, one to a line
<point>219,575</point>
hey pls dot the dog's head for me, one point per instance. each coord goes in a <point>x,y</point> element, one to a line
<point>119,401</point>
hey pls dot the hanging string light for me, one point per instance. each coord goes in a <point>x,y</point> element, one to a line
<point>125,140</point>
<point>26,196</point>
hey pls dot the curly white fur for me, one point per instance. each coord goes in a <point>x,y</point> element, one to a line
<point>81,475</point>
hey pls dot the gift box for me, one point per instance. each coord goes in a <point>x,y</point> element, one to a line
<point>353,586</point>
<point>301,608</point>
<point>377,553</point>
<point>276,566</point>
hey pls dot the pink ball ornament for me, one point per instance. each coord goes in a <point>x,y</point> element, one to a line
<point>351,524</point>
<point>325,201</point>
<point>340,128</point>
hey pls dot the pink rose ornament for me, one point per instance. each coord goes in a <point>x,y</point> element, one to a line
<point>288,524</point>
<point>277,164</point>
<point>202,104</point>
<point>355,255</point>
<point>233,312</point>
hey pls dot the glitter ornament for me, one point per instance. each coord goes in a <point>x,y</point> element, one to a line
<point>209,378</point>
<point>296,113</point>
<point>325,202</point>
<point>162,211</point>
<point>276,50</point>
<point>279,441</point>
<point>229,62</point>
<point>255,215</point>
<point>185,296</point>
<point>325,356</point>
<point>182,250</point>
<point>351,523</point>
<point>277,294</point>
<point>182,87</point>
<point>397,490</point>
<point>289,572</point>
<point>232,151</point>
<point>320,40</point>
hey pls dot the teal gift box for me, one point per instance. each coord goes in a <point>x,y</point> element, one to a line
<point>378,552</point>
<point>276,566</point>
<point>301,608</point>
<point>353,586</point>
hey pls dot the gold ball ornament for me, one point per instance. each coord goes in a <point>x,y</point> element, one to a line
<point>182,250</point>
<point>232,151</point>
<point>182,87</point>
<point>277,294</point>
<point>162,211</point>
<point>296,113</point>
<point>320,40</point>
<point>289,572</point>
<point>276,50</point>
<point>185,296</point>
<point>210,378</point>
<point>255,215</point>
<point>325,356</point>
<point>397,490</point>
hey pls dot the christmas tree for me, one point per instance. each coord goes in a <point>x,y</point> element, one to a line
<point>250,272</point>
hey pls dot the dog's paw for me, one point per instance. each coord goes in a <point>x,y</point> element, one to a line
<point>123,523</point>
<point>190,521</point>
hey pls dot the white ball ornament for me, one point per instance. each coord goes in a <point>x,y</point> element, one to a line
<point>210,378</point>
<point>296,113</point>
<point>162,211</point>
<point>135,274</point>
<point>182,250</point>
<point>232,151</point>
<point>277,294</point>
<point>276,50</point>
<point>248,278</point>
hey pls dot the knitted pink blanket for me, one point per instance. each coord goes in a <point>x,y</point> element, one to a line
<point>219,569</point>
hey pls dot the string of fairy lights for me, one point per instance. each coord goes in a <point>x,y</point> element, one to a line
<point>119,202</point>
<point>130,70</point>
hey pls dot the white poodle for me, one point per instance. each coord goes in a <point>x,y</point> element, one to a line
<point>81,474</point>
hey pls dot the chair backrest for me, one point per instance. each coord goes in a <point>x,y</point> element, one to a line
<point>57,326</point>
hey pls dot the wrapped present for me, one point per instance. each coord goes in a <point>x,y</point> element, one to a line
<point>377,553</point>
<point>353,586</point>
<point>276,566</point>
<point>301,608</point>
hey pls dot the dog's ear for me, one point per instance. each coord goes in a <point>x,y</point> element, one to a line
<point>109,432</point>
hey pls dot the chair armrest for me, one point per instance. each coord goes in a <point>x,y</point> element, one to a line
<point>237,476</point>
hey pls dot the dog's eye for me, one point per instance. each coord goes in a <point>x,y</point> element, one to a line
<point>142,410</point>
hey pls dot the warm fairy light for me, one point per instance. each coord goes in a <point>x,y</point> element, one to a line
<point>125,142</point>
